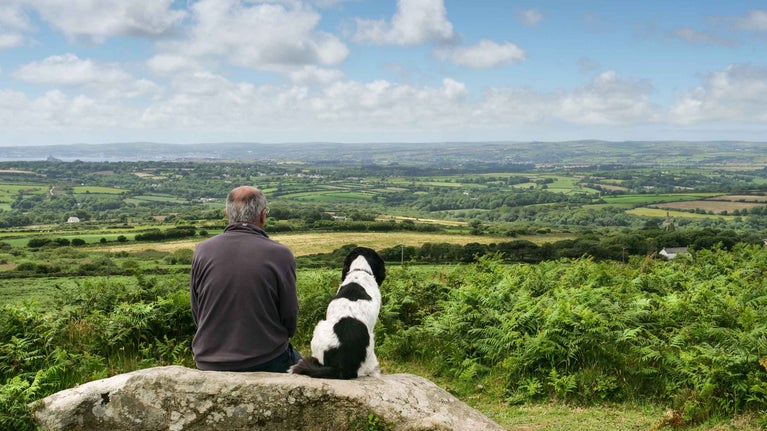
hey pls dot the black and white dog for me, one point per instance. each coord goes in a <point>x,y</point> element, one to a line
<point>342,344</point>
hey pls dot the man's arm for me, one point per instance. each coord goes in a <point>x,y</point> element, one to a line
<point>193,300</point>
<point>289,295</point>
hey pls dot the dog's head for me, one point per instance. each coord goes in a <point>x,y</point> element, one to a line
<point>373,261</point>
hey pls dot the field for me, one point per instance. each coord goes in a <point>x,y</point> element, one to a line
<point>303,244</point>
<point>710,206</point>
<point>644,199</point>
<point>612,216</point>
<point>662,213</point>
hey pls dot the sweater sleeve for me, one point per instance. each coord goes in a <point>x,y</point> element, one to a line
<point>193,301</point>
<point>289,296</point>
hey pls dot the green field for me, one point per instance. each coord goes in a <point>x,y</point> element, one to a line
<point>97,190</point>
<point>643,199</point>
<point>662,213</point>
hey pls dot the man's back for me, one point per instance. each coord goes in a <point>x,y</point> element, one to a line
<point>243,294</point>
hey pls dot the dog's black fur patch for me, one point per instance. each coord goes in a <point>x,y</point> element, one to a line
<point>353,292</point>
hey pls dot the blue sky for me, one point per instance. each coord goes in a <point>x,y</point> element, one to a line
<point>192,71</point>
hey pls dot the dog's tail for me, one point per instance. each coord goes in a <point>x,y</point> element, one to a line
<point>312,367</point>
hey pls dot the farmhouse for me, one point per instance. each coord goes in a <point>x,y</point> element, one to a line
<point>73,220</point>
<point>671,252</point>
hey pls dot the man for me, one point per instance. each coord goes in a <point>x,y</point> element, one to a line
<point>243,293</point>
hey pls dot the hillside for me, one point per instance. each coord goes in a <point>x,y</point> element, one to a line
<point>438,154</point>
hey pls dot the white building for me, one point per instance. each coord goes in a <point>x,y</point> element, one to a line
<point>671,252</point>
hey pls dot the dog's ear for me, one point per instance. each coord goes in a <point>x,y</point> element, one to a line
<point>348,262</point>
<point>374,260</point>
<point>376,263</point>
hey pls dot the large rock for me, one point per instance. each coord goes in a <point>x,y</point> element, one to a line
<point>178,398</point>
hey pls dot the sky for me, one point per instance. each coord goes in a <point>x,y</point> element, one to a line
<point>378,71</point>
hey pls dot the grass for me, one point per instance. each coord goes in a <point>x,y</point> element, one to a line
<point>561,417</point>
<point>716,207</point>
<point>8,192</point>
<point>304,244</point>
<point>41,289</point>
<point>661,213</point>
<point>642,199</point>
<point>97,190</point>
<point>613,417</point>
<point>555,416</point>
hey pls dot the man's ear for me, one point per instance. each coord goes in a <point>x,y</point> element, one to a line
<point>262,217</point>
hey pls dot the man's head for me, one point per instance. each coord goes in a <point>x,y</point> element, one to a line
<point>246,204</point>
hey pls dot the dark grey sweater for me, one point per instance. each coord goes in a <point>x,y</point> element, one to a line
<point>244,300</point>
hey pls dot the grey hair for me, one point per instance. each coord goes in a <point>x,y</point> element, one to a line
<point>245,204</point>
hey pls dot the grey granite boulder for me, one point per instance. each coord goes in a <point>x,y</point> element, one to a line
<point>177,398</point>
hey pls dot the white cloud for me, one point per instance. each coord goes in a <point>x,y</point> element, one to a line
<point>315,75</point>
<point>101,19</point>
<point>13,23</point>
<point>415,22</point>
<point>11,40</point>
<point>103,80</point>
<point>755,20</point>
<point>54,112</point>
<point>261,37</point>
<point>530,17</point>
<point>199,105</point>
<point>172,64</point>
<point>735,94</point>
<point>69,70</point>
<point>485,54</point>
<point>607,100</point>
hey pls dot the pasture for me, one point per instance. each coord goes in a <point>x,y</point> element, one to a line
<point>661,213</point>
<point>710,206</point>
<point>97,190</point>
<point>307,243</point>
<point>647,198</point>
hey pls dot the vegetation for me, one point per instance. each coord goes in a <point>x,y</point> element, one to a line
<point>518,287</point>
<point>687,334</point>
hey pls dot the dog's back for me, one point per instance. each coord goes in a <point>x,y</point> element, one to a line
<point>342,344</point>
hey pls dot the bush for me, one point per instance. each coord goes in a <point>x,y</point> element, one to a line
<point>38,242</point>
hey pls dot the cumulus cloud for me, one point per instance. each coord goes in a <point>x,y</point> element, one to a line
<point>13,24</point>
<point>485,54</point>
<point>263,36</point>
<point>98,20</point>
<point>755,20</point>
<point>315,75</point>
<point>170,64</point>
<point>11,40</point>
<point>530,17</point>
<point>69,69</point>
<point>105,80</point>
<point>55,111</point>
<point>415,22</point>
<point>199,104</point>
<point>608,100</point>
<point>734,94</point>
